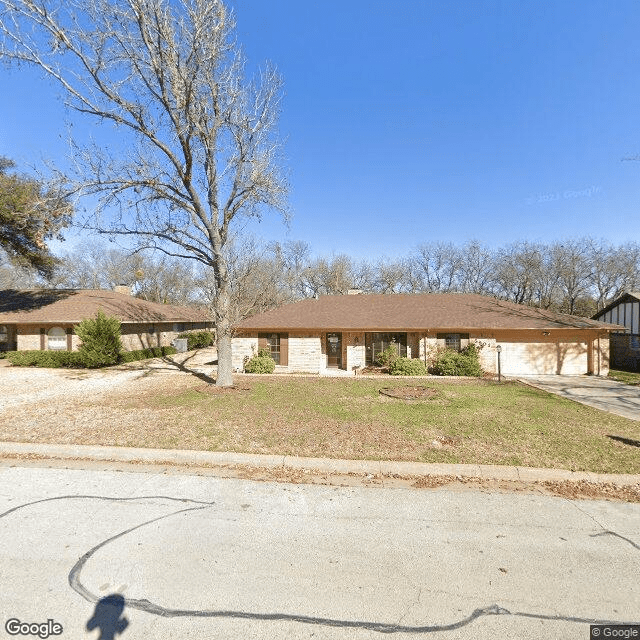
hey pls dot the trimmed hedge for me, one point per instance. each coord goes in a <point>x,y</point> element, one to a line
<point>407,367</point>
<point>49,359</point>
<point>197,339</point>
<point>145,354</point>
<point>76,359</point>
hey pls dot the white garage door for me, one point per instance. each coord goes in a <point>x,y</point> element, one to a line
<point>544,358</point>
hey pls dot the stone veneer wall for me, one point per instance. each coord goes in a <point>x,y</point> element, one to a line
<point>305,353</point>
<point>241,347</point>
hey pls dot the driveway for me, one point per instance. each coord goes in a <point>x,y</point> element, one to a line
<point>601,393</point>
<point>24,385</point>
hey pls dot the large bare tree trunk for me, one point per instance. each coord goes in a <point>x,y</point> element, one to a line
<point>223,338</point>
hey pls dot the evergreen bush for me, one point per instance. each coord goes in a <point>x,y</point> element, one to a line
<point>387,357</point>
<point>262,363</point>
<point>463,363</point>
<point>101,345</point>
<point>197,339</point>
<point>407,367</point>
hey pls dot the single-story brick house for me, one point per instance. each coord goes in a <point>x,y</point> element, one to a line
<point>43,319</point>
<point>348,331</point>
<point>625,342</point>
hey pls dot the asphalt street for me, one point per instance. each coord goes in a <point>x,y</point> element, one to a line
<point>108,554</point>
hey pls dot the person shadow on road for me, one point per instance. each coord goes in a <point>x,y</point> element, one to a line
<point>106,617</point>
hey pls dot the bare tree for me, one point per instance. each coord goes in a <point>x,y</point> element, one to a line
<point>328,276</point>
<point>205,150</point>
<point>477,271</point>
<point>518,271</point>
<point>158,278</point>
<point>615,269</point>
<point>392,276</point>
<point>572,262</point>
<point>436,266</point>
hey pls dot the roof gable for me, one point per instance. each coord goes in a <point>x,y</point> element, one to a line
<point>631,296</point>
<point>73,305</point>
<point>413,312</point>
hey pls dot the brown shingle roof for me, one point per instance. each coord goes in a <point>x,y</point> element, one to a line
<point>413,312</point>
<point>73,305</point>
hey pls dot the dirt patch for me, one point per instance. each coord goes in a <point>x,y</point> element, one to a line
<point>409,393</point>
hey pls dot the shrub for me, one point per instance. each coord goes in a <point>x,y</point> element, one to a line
<point>387,357</point>
<point>49,359</point>
<point>145,354</point>
<point>100,337</point>
<point>452,363</point>
<point>408,367</point>
<point>262,363</point>
<point>197,339</point>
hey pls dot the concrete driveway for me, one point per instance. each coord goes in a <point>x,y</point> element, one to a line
<point>601,393</point>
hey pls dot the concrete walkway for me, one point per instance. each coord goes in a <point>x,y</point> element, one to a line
<point>601,393</point>
<point>318,465</point>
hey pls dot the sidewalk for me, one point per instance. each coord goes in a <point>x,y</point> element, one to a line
<point>317,465</point>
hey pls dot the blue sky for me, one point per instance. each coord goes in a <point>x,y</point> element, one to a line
<point>423,121</point>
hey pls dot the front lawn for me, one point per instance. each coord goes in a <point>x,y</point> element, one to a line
<point>465,421</point>
<point>627,377</point>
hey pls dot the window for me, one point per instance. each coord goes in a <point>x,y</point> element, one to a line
<point>4,333</point>
<point>454,341</point>
<point>272,344</point>
<point>57,339</point>
<point>376,343</point>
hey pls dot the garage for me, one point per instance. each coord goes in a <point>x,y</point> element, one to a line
<point>544,358</point>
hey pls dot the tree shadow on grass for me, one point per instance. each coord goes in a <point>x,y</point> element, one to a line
<point>198,374</point>
<point>629,441</point>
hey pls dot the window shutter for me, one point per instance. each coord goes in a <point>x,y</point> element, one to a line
<point>262,342</point>
<point>42,339</point>
<point>69,339</point>
<point>284,349</point>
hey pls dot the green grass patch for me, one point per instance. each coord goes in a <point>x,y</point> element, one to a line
<point>474,422</point>
<point>628,377</point>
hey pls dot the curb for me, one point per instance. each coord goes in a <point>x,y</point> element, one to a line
<point>321,465</point>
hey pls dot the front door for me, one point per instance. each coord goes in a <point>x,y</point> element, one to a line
<point>334,350</point>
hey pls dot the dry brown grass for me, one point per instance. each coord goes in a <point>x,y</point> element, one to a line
<point>462,422</point>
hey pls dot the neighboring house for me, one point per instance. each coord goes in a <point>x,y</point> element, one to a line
<point>625,343</point>
<point>44,318</point>
<point>348,332</point>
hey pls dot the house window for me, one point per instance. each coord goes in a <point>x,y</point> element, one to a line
<point>454,341</point>
<point>272,344</point>
<point>376,343</point>
<point>57,339</point>
<point>4,334</point>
